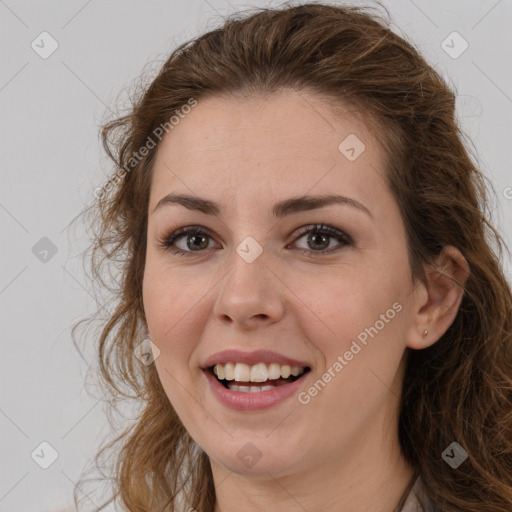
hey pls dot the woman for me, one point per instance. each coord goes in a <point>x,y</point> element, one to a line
<point>304,249</point>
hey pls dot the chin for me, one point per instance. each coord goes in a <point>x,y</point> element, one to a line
<point>258,457</point>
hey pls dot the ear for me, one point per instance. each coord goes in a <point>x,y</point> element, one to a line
<point>439,301</point>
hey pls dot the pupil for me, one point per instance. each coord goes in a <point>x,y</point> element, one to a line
<point>201,246</point>
<point>314,235</point>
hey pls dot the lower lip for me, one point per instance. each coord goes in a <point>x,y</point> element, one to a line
<point>240,401</point>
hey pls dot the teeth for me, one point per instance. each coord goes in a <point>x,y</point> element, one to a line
<point>261,372</point>
<point>286,371</point>
<point>295,370</point>
<point>274,371</point>
<point>229,371</point>
<point>249,389</point>
<point>242,372</point>
<point>220,372</point>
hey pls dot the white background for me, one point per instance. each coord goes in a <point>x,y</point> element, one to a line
<point>51,161</point>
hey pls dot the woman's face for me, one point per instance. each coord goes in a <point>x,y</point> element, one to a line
<point>339,303</point>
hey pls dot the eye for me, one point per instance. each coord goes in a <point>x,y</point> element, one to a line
<point>196,239</point>
<point>318,238</point>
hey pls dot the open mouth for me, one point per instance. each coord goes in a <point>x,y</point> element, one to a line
<point>258,378</point>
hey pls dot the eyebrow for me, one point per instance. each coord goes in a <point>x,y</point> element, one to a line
<point>281,209</point>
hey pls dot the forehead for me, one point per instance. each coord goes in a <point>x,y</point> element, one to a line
<point>260,145</point>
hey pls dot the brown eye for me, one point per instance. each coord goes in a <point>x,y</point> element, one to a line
<point>195,240</point>
<point>319,238</point>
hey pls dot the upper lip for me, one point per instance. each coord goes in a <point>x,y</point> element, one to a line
<point>250,358</point>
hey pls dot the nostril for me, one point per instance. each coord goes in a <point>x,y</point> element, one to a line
<point>262,315</point>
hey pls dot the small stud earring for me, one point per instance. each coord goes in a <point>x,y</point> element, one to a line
<point>425,332</point>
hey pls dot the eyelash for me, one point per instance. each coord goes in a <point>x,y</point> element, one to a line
<point>168,241</point>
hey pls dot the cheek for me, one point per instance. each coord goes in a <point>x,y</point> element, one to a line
<point>167,310</point>
<point>168,295</point>
<point>348,302</point>
<point>174,314</point>
<point>367,316</point>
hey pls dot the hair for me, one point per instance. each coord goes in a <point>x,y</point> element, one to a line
<point>460,388</point>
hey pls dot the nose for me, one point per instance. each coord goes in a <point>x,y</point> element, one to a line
<point>250,295</point>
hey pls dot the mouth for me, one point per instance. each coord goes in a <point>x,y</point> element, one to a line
<point>244,378</point>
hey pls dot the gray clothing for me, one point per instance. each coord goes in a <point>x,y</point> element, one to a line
<point>417,500</point>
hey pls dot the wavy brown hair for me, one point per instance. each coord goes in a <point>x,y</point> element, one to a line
<point>459,389</point>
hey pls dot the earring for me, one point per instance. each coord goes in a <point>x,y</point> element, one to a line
<point>425,332</point>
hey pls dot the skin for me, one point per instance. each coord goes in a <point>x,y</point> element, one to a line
<point>340,451</point>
